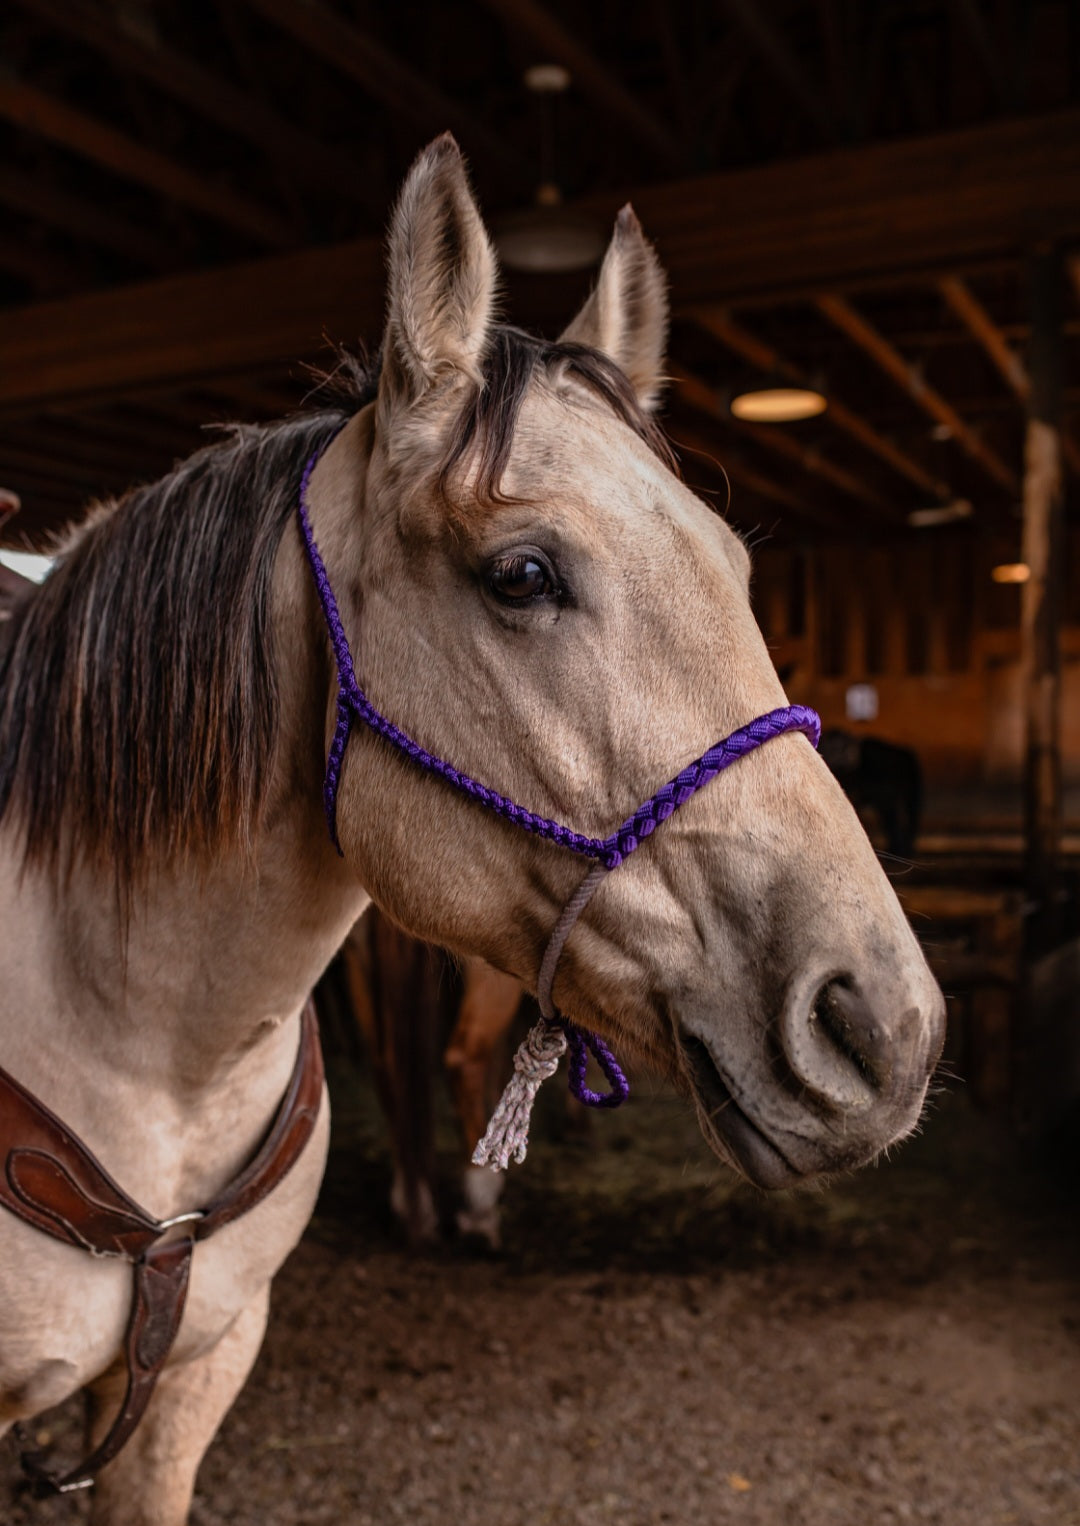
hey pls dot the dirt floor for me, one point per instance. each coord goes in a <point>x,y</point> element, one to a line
<point>660,1344</point>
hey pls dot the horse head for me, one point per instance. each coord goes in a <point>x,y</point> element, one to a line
<point>531,591</point>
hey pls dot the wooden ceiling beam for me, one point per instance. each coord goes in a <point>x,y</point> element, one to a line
<point>970,15</point>
<point>751,19</point>
<point>384,76</point>
<point>35,111</point>
<point>1008,363</point>
<point>886,210</point>
<point>592,78</point>
<point>700,396</point>
<point>739,472</point>
<point>979,324</point>
<point>888,358</point>
<point>81,219</point>
<point>208,94</point>
<point>42,270</point>
<point>719,322</point>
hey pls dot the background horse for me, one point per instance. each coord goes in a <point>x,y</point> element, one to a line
<point>534,594</point>
<point>422,1012</point>
<point>881,777</point>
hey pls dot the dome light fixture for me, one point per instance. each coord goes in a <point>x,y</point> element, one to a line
<point>1011,572</point>
<point>547,237</point>
<point>941,514</point>
<point>777,405</point>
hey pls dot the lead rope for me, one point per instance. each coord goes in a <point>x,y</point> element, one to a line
<point>538,1056</point>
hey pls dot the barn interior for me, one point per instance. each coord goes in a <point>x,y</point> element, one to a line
<point>874,204</point>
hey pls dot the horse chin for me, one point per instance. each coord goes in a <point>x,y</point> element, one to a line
<point>728,1130</point>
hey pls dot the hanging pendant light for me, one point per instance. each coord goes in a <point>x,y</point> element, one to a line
<point>547,238</point>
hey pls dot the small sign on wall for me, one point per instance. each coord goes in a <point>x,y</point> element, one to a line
<point>861,702</point>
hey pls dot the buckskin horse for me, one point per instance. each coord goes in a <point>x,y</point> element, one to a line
<point>499,538</point>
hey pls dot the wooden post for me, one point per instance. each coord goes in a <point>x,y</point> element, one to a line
<point>1041,599</point>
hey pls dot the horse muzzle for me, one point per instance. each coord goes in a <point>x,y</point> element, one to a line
<point>844,1076</point>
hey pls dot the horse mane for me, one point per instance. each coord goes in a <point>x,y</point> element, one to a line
<point>138,689</point>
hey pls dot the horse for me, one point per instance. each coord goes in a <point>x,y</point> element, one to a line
<point>882,777</point>
<point>406,996</point>
<point>532,592</point>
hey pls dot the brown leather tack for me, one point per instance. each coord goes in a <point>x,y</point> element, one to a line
<point>52,1181</point>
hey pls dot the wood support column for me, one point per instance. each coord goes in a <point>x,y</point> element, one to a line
<point>1041,600</point>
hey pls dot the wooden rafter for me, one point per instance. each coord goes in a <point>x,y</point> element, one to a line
<point>384,76</point>
<point>969,13</point>
<point>719,322</point>
<point>739,472</point>
<point>42,270</point>
<point>206,93</point>
<point>889,359</point>
<point>752,19</point>
<point>82,219</point>
<point>592,77</point>
<point>967,307</point>
<point>1009,364</point>
<point>37,112</point>
<point>722,237</point>
<point>703,398</point>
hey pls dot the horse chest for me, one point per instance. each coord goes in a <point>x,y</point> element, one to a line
<point>63,1312</point>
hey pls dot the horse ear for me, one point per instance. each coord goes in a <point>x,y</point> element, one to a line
<point>442,278</point>
<point>627,314</point>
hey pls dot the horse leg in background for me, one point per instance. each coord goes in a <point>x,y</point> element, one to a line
<point>489,1003</point>
<point>396,986</point>
<point>150,1482</point>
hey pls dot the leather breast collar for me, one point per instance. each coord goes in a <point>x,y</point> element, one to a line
<point>52,1181</point>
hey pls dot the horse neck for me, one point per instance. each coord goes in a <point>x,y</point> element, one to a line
<point>211,958</point>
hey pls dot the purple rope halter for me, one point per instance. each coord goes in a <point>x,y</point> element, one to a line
<point>607,852</point>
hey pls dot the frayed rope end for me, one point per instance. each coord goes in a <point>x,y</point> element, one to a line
<point>507,1136</point>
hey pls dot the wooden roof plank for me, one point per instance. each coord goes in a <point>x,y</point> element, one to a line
<point>592,77</point>
<point>207,93</point>
<point>719,322</point>
<point>738,471</point>
<point>888,358</point>
<point>83,219</point>
<point>703,398</point>
<point>383,75</point>
<point>896,208</point>
<point>769,42</point>
<point>38,112</point>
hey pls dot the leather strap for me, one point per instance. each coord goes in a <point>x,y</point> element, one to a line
<point>52,1181</point>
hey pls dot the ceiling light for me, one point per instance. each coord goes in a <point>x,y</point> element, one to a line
<point>548,239</point>
<point>777,405</point>
<point>940,514</point>
<point>547,79</point>
<point>1011,572</point>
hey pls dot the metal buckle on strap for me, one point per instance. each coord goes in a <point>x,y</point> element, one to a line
<point>182,1218</point>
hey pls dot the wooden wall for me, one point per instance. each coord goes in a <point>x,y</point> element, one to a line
<point>920,619</point>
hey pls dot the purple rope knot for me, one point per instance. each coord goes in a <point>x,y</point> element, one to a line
<point>579,1042</point>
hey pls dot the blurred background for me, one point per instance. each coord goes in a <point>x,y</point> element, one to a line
<point>870,212</point>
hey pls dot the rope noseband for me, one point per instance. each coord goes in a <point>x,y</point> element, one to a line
<point>539,1055</point>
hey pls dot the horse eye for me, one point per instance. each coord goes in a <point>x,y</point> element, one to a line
<point>520,578</point>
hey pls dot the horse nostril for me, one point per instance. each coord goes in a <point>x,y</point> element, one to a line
<point>846,1019</point>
